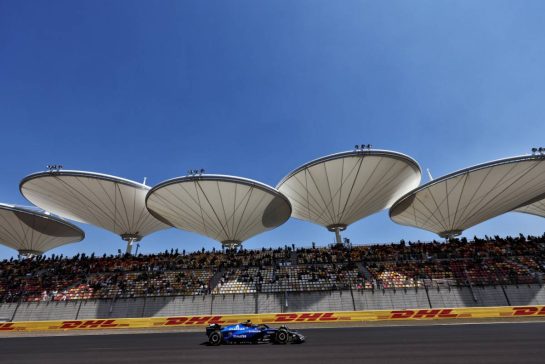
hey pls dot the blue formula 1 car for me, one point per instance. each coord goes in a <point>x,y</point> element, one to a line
<point>246,333</point>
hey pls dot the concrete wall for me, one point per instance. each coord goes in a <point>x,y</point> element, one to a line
<point>234,303</point>
<point>452,297</point>
<point>177,306</point>
<point>271,303</point>
<point>40,311</point>
<point>389,299</point>
<point>526,295</point>
<point>90,309</point>
<point>319,301</point>
<point>468,297</point>
<point>7,310</point>
<point>490,296</point>
<point>146,307</point>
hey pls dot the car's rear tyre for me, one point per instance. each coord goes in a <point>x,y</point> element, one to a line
<point>215,338</point>
<point>281,337</point>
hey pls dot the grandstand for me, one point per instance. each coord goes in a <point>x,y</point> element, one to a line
<point>333,191</point>
<point>478,272</point>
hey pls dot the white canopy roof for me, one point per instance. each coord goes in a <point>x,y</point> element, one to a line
<point>455,202</point>
<point>536,208</point>
<point>33,232</point>
<point>339,189</point>
<point>112,203</point>
<point>225,208</point>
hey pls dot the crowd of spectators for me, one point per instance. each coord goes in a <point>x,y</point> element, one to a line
<point>486,261</point>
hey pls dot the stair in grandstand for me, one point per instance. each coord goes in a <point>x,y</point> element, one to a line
<point>216,279</point>
<point>366,274</point>
<point>293,258</point>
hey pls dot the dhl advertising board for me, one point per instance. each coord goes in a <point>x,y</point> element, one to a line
<point>278,318</point>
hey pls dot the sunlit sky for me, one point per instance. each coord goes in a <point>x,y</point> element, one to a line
<point>153,88</point>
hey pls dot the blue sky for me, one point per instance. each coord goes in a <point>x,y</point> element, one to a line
<point>150,89</point>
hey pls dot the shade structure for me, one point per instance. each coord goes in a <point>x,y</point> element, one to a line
<point>451,204</point>
<point>33,232</point>
<point>536,208</point>
<point>112,203</point>
<point>336,190</point>
<point>225,208</point>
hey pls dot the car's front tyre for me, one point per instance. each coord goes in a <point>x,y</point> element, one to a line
<point>215,338</point>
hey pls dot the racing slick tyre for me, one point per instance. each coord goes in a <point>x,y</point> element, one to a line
<point>215,338</point>
<point>282,337</point>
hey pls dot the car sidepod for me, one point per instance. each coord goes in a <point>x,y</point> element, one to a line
<point>245,334</point>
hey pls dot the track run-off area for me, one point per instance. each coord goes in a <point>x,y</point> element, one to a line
<point>460,343</point>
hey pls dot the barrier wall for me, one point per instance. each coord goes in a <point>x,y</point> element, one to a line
<point>234,304</point>
<point>318,301</point>
<point>279,318</point>
<point>358,300</point>
<point>7,310</point>
<point>525,295</point>
<point>270,302</point>
<point>29,311</point>
<point>452,297</point>
<point>391,299</point>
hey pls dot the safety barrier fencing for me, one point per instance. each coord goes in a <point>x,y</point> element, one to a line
<point>278,318</point>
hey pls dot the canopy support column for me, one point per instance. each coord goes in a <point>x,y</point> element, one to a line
<point>338,235</point>
<point>231,244</point>
<point>130,239</point>
<point>337,228</point>
<point>129,246</point>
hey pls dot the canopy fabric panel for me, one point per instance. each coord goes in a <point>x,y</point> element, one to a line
<point>27,230</point>
<point>460,200</point>
<point>112,203</point>
<point>224,208</point>
<point>343,188</point>
<point>537,208</point>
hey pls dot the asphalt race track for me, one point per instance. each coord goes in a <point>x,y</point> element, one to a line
<point>477,343</point>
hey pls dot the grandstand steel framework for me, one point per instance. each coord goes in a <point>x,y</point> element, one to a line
<point>451,204</point>
<point>33,232</point>
<point>225,208</point>
<point>112,203</point>
<point>339,189</point>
